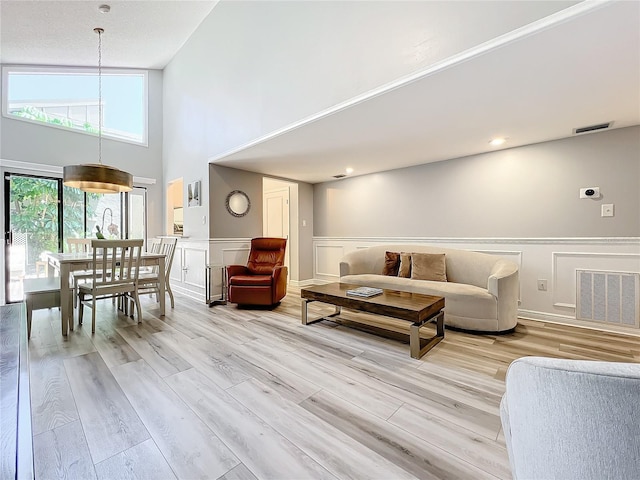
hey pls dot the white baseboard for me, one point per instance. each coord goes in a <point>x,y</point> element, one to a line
<point>198,296</point>
<point>304,283</point>
<point>571,321</point>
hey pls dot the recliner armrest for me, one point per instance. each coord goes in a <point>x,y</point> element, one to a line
<point>233,270</point>
<point>278,272</point>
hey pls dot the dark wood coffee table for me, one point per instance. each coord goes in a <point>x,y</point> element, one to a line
<point>413,307</point>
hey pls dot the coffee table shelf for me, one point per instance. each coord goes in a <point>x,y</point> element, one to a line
<point>412,307</point>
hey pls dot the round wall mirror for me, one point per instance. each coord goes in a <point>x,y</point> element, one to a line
<point>238,203</point>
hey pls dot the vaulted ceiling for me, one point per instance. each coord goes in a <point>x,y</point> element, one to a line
<point>573,68</point>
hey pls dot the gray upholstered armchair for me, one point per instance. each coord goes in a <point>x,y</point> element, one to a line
<point>572,419</point>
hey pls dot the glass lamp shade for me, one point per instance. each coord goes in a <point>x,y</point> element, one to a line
<point>94,178</point>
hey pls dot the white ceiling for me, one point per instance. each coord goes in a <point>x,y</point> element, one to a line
<point>578,67</point>
<point>138,34</point>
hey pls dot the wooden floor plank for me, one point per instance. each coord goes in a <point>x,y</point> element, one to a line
<point>157,353</point>
<point>52,403</point>
<point>375,401</point>
<point>140,462</point>
<point>63,453</point>
<point>110,423</point>
<point>319,439</point>
<point>210,356</point>
<point>192,450</point>
<point>239,472</point>
<point>113,349</point>
<point>412,454</point>
<point>486,454</point>
<point>258,446</point>
<point>291,386</point>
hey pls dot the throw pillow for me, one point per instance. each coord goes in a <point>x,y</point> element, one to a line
<point>428,266</point>
<point>405,265</point>
<point>391,264</point>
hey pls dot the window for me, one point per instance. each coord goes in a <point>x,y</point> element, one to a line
<point>69,98</point>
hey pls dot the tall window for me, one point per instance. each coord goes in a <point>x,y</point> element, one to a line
<point>68,98</point>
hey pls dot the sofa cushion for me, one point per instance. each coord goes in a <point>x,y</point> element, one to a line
<point>405,265</point>
<point>428,266</point>
<point>391,264</point>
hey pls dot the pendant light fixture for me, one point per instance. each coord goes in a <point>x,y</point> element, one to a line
<point>98,178</point>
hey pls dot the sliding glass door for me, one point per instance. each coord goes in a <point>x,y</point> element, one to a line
<point>32,227</point>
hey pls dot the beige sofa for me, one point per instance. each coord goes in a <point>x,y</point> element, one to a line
<point>481,291</point>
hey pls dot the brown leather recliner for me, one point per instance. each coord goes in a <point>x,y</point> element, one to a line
<point>263,281</point>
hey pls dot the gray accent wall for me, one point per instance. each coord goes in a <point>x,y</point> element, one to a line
<point>525,192</point>
<point>222,181</point>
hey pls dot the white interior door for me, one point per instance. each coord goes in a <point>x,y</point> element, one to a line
<point>276,216</point>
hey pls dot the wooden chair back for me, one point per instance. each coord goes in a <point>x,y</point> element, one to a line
<point>79,245</point>
<point>168,248</point>
<point>116,262</point>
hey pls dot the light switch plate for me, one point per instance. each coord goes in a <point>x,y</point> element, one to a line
<point>607,210</point>
<point>542,285</point>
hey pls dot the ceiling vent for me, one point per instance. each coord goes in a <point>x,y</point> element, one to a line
<point>592,128</point>
<point>340,175</point>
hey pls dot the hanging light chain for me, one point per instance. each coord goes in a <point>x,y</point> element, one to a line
<point>99,31</point>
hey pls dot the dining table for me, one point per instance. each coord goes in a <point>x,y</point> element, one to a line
<point>65,263</point>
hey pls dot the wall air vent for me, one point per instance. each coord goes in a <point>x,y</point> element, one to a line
<point>592,128</point>
<point>340,175</point>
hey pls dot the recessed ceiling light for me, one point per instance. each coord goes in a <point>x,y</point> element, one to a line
<point>497,141</point>
<point>349,170</point>
<point>104,8</point>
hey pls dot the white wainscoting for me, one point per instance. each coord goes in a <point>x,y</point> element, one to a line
<point>188,271</point>
<point>553,259</point>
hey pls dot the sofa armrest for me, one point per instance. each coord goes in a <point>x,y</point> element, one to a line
<point>504,274</point>
<point>356,263</point>
<point>504,284</point>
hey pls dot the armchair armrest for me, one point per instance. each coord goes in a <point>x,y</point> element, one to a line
<point>279,282</point>
<point>233,270</point>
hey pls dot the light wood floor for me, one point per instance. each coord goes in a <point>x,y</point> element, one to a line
<point>242,394</point>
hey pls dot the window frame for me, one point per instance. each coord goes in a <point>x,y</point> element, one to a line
<point>7,69</point>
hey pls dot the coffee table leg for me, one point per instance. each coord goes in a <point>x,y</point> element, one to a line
<point>417,347</point>
<point>304,311</point>
<point>305,319</point>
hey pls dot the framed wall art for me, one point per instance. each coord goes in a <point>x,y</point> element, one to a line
<point>193,194</point>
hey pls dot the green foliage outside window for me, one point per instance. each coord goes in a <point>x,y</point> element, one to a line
<point>34,211</point>
<point>32,113</point>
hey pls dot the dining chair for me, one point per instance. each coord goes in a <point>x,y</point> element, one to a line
<point>149,281</point>
<point>78,245</point>
<point>115,273</point>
